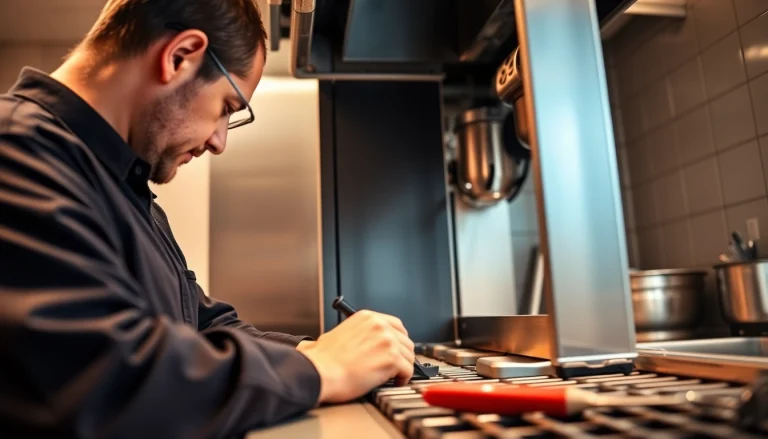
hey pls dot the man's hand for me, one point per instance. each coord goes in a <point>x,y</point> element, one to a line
<point>363,352</point>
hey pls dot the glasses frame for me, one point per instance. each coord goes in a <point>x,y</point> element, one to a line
<point>220,66</point>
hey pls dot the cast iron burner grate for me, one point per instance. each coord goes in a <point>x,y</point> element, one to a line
<point>416,419</point>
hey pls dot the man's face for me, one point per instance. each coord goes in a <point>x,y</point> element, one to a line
<point>191,120</point>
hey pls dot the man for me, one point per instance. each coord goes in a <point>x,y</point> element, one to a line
<point>103,330</point>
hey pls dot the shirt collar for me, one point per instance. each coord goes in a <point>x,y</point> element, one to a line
<point>97,134</point>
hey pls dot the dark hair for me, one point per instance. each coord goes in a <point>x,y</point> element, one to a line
<point>234,28</point>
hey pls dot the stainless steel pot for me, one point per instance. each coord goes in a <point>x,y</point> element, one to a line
<point>666,303</point>
<point>743,291</point>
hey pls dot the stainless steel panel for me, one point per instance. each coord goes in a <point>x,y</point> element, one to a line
<point>579,202</point>
<point>265,234</point>
<point>514,366</point>
<point>736,359</point>
<point>523,335</point>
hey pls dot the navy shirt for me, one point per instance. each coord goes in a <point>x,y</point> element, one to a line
<point>104,331</point>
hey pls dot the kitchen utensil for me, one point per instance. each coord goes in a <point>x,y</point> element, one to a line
<point>743,291</point>
<point>512,400</point>
<point>739,246</point>
<point>420,371</point>
<point>666,303</point>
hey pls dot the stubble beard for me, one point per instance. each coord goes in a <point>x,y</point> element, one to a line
<point>158,123</point>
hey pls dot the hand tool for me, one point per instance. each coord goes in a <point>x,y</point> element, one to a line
<point>420,371</point>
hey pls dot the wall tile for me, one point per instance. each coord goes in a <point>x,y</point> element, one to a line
<point>738,215</point>
<point>662,151</point>
<point>693,136</point>
<point>709,236</point>
<point>677,41</point>
<point>645,205</point>
<point>657,104</point>
<point>714,20</point>
<point>764,155</point>
<point>622,157</point>
<point>702,186</point>
<point>670,197</point>
<point>632,250</point>
<point>676,243</point>
<point>638,161</point>
<point>754,40</point>
<point>650,250</point>
<point>634,119</point>
<point>14,57</point>
<point>627,203</point>
<point>687,84</point>
<point>732,118</point>
<point>742,173</point>
<point>759,89</point>
<point>749,9</point>
<point>723,65</point>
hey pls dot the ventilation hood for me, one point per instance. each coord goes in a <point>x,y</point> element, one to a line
<point>403,39</point>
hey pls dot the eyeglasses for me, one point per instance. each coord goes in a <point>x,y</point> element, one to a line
<point>238,118</point>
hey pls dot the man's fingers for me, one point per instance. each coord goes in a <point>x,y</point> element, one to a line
<point>395,323</point>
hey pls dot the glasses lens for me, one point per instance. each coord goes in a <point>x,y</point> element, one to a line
<point>239,119</point>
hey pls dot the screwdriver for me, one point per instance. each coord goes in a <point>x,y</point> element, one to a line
<point>420,370</point>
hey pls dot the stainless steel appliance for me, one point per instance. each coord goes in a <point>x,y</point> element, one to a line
<point>743,292</point>
<point>666,303</point>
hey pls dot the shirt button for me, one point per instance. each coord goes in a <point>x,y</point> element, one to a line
<point>137,170</point>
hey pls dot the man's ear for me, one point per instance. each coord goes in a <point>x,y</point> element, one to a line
<point>182,56</point>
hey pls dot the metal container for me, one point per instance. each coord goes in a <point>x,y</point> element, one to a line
<point>743,291</point>
<point>666,303</point>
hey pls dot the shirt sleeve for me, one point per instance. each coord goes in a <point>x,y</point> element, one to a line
<point>214,313</point>
<point>83,354</point>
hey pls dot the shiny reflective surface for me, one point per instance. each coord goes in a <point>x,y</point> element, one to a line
<point>740,359</point>
<point>579,203</point>
<point>485,173</point>
<point>666,303</point>
<point>743,289</point>
<point>265,235</point>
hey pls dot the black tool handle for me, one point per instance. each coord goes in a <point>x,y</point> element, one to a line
<point>341,305</point>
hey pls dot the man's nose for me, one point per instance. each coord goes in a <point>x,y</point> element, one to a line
<point>218,141</point>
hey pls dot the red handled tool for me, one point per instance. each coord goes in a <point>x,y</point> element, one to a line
<point>512,400</point>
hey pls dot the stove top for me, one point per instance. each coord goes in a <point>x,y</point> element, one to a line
<point>716,418</point>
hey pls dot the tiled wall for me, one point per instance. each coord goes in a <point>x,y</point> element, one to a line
<point>690,104</point>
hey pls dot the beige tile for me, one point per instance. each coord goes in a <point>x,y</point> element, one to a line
<point>676,243</point>
<point>625,177</point>
<point>645,205</point>
<point>732,118</point>
<point>693,135</point>
<point>627,203</point>
<point>754,40</point>
<point>759,88</point>
<point>749,9</point>
<point>662,150</point>
<point>687,84</point>
<point>638,161</point>
<point>738,215</point>
<point>650,249</point>
<point>702,186</point>
<point>634,119</point>
<point>709,235</point>
<point>763,142</point>
<point>670,198</point>
<point>657,104</point>
<point>714,20</point>
<point>723,65</point>
<point>678,42</point>
<point>632,250</point>
<point>741,172</point>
